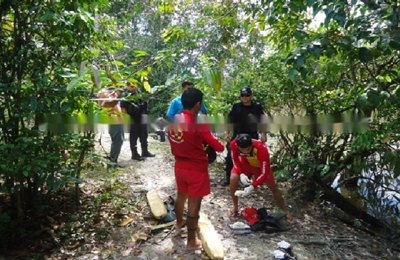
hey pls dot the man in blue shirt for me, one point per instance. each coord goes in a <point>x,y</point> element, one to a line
<point>176,107</point>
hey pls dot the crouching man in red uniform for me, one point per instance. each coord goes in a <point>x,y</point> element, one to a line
<point>188,140</point>
<point>252,167</point>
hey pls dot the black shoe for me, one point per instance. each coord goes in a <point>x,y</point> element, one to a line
<point>137,157</point>
<point>147,154</point>
<point>114,165</point>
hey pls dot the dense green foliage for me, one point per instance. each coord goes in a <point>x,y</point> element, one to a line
<point>350,62</point>
<point>40,45</point>
<point>43,45</point>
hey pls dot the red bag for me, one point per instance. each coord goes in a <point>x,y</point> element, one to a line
<point>250,215</point>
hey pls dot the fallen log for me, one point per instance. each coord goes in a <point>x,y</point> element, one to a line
<point>157,206</point>
<point>212,244</point>
<point>341,202</point>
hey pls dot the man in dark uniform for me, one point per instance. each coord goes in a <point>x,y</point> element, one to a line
<point>245,116</point>
<point>138,128</point>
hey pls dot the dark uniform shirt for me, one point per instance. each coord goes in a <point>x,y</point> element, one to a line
<point>135,110</point>
<point>245,119</point>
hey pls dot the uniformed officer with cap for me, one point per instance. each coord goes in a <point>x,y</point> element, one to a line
<point>245,117</point>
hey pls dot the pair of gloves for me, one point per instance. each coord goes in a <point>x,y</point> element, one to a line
<point>246,182</point>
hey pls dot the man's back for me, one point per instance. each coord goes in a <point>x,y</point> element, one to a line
<point>188,140</point>
<point>132,110</point>
<point>174,108</point>
<point>187,144</point>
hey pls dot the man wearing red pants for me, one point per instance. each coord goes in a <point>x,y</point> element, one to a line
<point>251,161</point>
<point>188,140</point>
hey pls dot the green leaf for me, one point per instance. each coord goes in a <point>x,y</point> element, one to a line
<point>362,100</point>
<point>389,157</point>
<point>315,50</point>
<point>140,53</point>
<point>364,54</point>
<point>74,82</point>
<point>340,18</point>
<point>329,15</point>
<point>146,86</point>
<point>374,97</point>
<point>118,63</point>
<point>396,169</point>
<point>166,7</point>
<point>300,60</point>
<point>384,95</point>
<point>293,73</point>
<point>213,78</point>
<point>394,44</point>
<point>385,78</point>
<point>68,74</point>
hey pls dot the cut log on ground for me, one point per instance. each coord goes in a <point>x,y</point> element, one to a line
<point>212,244</point>
<point>157,206</point>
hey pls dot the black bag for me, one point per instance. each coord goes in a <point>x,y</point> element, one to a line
<point>211,154</point>
<point>170,205</point>
<point>270,223</point>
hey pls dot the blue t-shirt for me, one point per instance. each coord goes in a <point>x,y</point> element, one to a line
<point>176,107</point>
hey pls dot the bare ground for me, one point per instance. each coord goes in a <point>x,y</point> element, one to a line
<point>114,220</point>
<point>315,234</point>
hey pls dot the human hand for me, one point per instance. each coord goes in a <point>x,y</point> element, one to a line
<point>247,191</point>
<point>244,179</point>
<point>227,136</point>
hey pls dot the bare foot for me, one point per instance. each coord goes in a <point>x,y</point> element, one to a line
<point>178,228</point>
<point>195,246</point>
<point>233,213</point>
<point>290,218</point>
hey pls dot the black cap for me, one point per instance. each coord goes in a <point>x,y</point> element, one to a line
<point>246,91</point>
<point>243,140</point>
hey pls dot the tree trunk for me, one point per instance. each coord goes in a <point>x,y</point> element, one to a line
<point>19,205</point>
<point>336,198</point>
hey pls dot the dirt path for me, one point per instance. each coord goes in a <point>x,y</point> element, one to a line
<point>314,235</point>
<point>114,221</point>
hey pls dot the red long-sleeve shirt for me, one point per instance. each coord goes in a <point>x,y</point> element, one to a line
<point>256,163</point>
<point>188,140</point>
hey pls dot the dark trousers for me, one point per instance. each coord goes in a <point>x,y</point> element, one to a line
<point>138,131</point>
<point>228,162</point>
<point>117,139</point>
